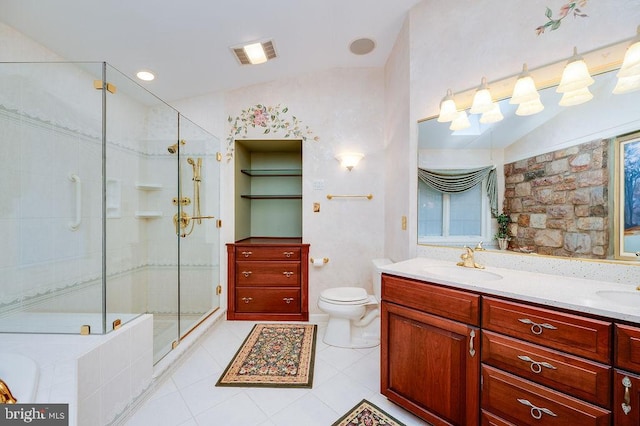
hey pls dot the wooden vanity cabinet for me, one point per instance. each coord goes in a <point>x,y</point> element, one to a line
<point>545,367</point>
<point>429,358</point>
<point>626,379</point>
<point>268,280</point>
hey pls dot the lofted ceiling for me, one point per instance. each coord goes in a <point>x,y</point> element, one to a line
<point>187,43</point>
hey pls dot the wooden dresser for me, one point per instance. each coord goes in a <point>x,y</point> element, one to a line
<point>268,279</point>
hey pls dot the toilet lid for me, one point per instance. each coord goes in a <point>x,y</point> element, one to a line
<point>345,294</point>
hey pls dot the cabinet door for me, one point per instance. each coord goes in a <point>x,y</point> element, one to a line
<point>626,399</point>
<point>430,365</point>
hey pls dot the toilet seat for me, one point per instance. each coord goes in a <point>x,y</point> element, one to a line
<point>345,295</point>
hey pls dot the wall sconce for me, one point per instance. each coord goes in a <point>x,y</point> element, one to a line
<point>448,108</point>
<point>349,159</point>
<point>482,101</point>
<point>575,81</point>
<point>529,108</point>
<point>493,115</point>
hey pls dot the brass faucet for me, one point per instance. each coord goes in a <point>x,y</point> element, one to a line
<point>5,394</point>
<point>467,259</point>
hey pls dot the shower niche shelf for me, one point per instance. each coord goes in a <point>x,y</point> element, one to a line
<point>148,214</point>
<point>148,186</point>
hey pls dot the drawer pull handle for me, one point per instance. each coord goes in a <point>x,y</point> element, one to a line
<point>287,300</point>
<point>287,274</point>
<point>537,412</point>
<point>247,299</point>
<point>288,253</point>
<point>246,273</point>
<point>626,405</point>
<point>246,253</point>
<point>536,366</point>
<point>535,327</point>
<point>472,350</point>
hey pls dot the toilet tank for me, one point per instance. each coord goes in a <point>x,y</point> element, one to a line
<point>376,276</point>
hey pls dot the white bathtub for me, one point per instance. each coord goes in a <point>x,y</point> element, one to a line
<point>21,374</point>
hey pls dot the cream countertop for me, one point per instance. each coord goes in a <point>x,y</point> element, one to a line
<point>576,294</point>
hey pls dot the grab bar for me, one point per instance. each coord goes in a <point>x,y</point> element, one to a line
<point>76,224</point>
<point>368,196</point>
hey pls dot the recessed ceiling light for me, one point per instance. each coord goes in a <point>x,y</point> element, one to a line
<point>255,53</point>
<point>145,75</point>
<point>362,46</point>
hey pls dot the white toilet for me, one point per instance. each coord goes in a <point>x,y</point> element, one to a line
<point>354,317</point>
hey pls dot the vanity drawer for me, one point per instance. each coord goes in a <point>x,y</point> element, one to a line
<point>579,377</point>
<point>267,274</point>
<point>526,403</point>
<point>488,419</point>
<point>453,304</point>
<point>570,333</point>
<point>273,300</point>
<point>267,253</point>
<point>627,355</point>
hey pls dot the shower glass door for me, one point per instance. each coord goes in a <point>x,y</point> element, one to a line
<point>198,218</point>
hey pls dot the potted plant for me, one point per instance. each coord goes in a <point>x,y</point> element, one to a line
<point>502,235</point>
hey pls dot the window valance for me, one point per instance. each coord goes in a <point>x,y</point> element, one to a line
<point>455,181</point>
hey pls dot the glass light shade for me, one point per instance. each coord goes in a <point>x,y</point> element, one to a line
<point>255,53</point>
<point>627,84</point>
<point>631,62</point>
<point>525,88</point>
<point>576,97</point>
<point>482,101</point>
<point>448,108</point>
<point>529,108</point>
<point>493,115</point>
<point>461,122</point>
<point>349,159</point>
<point>575,75</point>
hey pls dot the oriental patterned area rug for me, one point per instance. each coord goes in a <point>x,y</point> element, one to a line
<point>367,414</point>
<point>274,355</point>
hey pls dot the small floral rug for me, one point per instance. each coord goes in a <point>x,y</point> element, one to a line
<point>274,355</point>
<point>367,414</point>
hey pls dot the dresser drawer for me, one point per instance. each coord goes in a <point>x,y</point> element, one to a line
<point>525,403</point>
<point>267,253</point>
<point>453,304</point>
<point>577,335</point>
<point>488,419</point>
<point>576,376</point>
<point>273,300</point>
<point>267,274</point>
<point>627,355</point>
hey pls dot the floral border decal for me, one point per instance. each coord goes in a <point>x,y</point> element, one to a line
<point>554,24</point>
<point>272,118</point>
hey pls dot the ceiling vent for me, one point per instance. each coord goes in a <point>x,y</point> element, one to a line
<point>241,53</point>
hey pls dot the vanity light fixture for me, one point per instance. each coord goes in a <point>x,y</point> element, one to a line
<point>529,108</point>
<point>448,108</point>
<point>525,88</point>
<point>461,122</point>
<point>575,81</point>
<point>629,74</point>
<point>482,101</point>
<point>349,159</point>
<point>493,115</point>
<point>145,75</point>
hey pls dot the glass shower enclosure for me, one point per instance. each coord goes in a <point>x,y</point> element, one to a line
<point>109,206</point>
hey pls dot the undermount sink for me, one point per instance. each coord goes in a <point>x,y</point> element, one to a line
<point>628,298</point>
<point>463,273</point>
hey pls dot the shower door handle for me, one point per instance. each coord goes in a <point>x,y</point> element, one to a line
<point>76,223</point>
<point>202,217</point>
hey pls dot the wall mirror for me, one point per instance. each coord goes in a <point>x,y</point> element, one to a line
<point>606,117</point>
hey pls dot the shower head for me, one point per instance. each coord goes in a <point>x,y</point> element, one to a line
<point>174,148</point>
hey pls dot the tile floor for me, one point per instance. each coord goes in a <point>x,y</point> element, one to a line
<point>189,397</point>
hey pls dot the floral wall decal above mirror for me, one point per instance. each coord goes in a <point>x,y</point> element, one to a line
<point>270,118</point>
<point>565,10</point>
